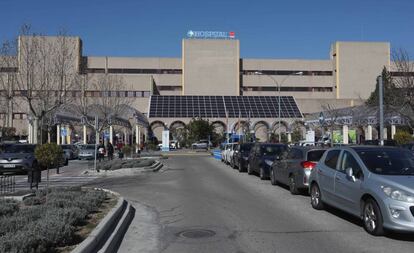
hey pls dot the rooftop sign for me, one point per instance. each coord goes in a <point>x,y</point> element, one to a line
<point>211,34</point>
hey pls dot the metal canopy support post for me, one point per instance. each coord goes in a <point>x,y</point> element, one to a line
<point>58,134</point>
<point>393,131</point>
<point>111,134</point>
<point>84,134</point>
<point>368,135</point>
<point>345,134</point>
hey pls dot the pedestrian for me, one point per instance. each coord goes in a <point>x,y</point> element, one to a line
<point>101,151</point>
<point>110,151</point>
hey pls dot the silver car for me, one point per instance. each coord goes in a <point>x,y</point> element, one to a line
<point>87,152</point>
<point>373,183</point>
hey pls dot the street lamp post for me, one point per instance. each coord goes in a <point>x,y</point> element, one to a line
<point>279,94</point>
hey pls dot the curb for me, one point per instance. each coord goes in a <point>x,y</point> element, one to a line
<point>19,198</point>
<point>114,240</point>
<point>156,166</point>
<point>104,232</point>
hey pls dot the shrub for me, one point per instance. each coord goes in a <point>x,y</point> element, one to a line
<point>403,137</point>
<point>127,149</point>
<point>49,155</point>
<point>8,207</point>
<point>49,220</point>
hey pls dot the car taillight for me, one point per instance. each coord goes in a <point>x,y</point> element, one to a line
<point>308,165</point>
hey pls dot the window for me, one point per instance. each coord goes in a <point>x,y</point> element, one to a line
<point>348,161</point>
<point>295,154</point>
<point>388,161</point>
<point>332,158</point>
<point>315,155</point>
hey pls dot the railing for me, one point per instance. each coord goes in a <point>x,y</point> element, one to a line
<point>7,184</point>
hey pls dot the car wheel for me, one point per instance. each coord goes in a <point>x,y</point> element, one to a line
<point>272,177</point>
<point>249,169</point>
<point>316,197</point>
<point>372,218</point>
<point>292,185</point>
<point>240,168</point>
<point>262,174</point>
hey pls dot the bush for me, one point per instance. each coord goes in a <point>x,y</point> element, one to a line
<point>49,220</point>
<point>49,155</point>
<point>127,149</point>
<point>403,137</point>
<point>8,207</point>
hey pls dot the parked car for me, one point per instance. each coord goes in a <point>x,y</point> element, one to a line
<point>71,151</point>
<point>373,183</point>
<point>294,167</point>
<point>227,152</point>
<point>17,159</point>
<point>409,146</point>
<point>241,156</point>
<point>201,144</point>
<point>376,142</point>
<point>87,152</point>
<point>261,158</point>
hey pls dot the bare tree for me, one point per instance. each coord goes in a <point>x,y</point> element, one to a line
<point>333,117</point>
<point>403,78</point>
<point>104,96</point>
<point>8,68</point>
<point>46,72</point>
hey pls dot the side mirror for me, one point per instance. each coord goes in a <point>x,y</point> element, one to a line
<point>350,174</point>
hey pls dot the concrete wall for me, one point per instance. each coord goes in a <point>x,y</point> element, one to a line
<point>357,66</point>
<point>210,67</point>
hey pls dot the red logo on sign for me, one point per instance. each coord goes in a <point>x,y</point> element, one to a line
<point>232,34</point>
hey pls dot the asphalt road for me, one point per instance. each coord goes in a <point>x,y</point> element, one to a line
<point>245,213</point>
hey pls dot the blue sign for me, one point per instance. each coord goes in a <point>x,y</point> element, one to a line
<point>211,34</point>
<point>63,132</point>
<point>106,135</point>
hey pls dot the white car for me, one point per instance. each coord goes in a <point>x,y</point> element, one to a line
<point>227,153</point>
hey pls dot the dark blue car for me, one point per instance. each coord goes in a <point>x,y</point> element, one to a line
<point>261,158</point>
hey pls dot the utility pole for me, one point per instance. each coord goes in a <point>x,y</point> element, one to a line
<point>381,109</point>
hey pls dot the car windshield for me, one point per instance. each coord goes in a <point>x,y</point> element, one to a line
<point>269,150</point>
<point>315,155</point>
<point>246,147</point>
<point>20,149</point>
<point>388,162</point>
<point>88,146</point>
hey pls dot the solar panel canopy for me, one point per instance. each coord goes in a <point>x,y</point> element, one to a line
<point>219,106</point>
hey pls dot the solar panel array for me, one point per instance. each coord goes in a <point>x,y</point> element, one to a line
<point>218,106</point>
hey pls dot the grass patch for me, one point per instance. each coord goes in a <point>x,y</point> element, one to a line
<point>125,163</point>
<point>52,220</point>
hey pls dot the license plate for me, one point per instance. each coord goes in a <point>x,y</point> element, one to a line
<point>9,166</point>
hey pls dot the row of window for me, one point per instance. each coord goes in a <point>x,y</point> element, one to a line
<point>129,94</point>
<point>169,88</point>
<point>292,89</point>
<point>288,72</point>
<point>79,93</point>
<point>135,71</point>
<point>179,72</point>
<point>18,115</point>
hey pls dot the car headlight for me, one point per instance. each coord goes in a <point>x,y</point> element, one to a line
<point>398,194</point>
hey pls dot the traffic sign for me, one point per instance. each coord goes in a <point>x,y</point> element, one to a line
<point>63,132</point>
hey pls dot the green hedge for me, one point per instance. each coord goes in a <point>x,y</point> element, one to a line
<point>47,220</point>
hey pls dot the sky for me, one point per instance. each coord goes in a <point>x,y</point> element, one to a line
<point>266,29</point>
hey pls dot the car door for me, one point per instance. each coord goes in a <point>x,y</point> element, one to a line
<point>326,174</point>
<point>348,190</point>
<point>252,157</point>
<point>280,165</point>
<point>293,162</point>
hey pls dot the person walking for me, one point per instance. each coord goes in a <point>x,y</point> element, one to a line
<point>101,151</point>
<point>110,151</point>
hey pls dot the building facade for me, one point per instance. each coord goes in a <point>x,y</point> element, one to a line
<point>213,67</point>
